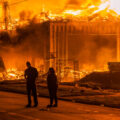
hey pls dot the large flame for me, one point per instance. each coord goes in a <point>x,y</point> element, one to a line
<point>103,8</point>
<point>107,6</point>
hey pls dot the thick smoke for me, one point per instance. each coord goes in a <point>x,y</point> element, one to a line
<point>27,43</point>
<point>92,51</point>
<point>31,42</point>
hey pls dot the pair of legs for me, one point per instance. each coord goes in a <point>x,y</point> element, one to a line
<point>53,97</point>
<point>32,89</point>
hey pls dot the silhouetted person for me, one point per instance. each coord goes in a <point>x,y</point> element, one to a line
<point>31,74</point>
<point>52,87</point>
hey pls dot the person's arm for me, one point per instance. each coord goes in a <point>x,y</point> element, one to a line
<point>25,76</point>
<point>36,73</point>
<point>56,81</point>
<point>48,81</point>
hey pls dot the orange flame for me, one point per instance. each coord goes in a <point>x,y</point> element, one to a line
<point>103,8</point>
<point>107,6</point>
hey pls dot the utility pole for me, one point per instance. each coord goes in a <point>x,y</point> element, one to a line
<point>5,9</point>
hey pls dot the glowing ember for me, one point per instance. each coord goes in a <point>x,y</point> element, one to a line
<point>14,74</point>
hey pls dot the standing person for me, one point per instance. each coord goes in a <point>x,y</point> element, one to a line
<point>52,87</point>
<point>31,74</point>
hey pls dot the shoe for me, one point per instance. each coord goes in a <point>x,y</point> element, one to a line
<point>48,106</point>
<point>28,106</point>
<point>55,105</point>
<point>35,105</point>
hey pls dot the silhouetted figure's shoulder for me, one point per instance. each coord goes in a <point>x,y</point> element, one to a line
<point>31,69</point>
<point>31,72</point>
<point>34,69</point>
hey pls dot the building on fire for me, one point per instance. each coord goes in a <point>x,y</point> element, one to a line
<point>91,44</point>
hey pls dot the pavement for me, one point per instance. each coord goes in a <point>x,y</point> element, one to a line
<point>12,107</point>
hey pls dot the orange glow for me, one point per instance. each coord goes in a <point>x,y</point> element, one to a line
<point>103,6</point>
<point>1,11</point>
<point>14,74</point>
<point>11,74</point>
<point>82,11</point>
<point>106,6</point>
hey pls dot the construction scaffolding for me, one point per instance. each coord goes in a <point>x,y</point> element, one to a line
<point>61,33</point>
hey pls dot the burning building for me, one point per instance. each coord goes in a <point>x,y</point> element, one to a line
<point>87,37</point>
<point>93,44</point>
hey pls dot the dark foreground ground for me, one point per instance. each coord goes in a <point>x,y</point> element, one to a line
<point>12,108</point>
<point>101,97</point>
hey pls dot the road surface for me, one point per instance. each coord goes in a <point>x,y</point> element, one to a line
<point>12,107</point>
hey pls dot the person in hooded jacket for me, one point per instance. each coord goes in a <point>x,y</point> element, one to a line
<point>52,87</point>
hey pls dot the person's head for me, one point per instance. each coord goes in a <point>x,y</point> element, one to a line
<point>28,64</point>
<point>51,71</point>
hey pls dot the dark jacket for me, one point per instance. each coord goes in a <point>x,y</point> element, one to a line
<point>31,74</point>
<point>52,81</point>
